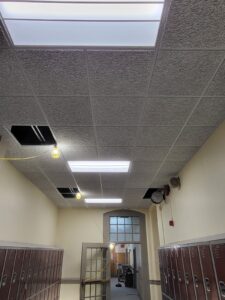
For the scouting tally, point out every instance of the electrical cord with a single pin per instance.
(23, 158)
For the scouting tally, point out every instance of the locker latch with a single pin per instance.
(196, 281)
(187, 279)
(222, 288)
(3, 281)
(207, 285)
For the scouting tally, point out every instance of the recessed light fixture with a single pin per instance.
(103, 201)
(83, 22)
(99, 166)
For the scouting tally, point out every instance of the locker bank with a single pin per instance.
(112, 150)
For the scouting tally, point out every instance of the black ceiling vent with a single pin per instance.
(33, 135)
(149, 193)
(68, 192)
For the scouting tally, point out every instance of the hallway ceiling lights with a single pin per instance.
(83, 22)
(103, 201)
(99, 166)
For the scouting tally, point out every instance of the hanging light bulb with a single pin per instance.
(55, 152)
(111, 246)
(78, 196)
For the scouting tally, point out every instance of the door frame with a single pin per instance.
(145, 286)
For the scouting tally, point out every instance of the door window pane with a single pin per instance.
(121, 229)
(128, 220)
(128, 228)
(121, 220)
(136, 220)
(113, 220)
(113, 237)
(136, 237)
(136, 229)
(113, 228)
(121, 237)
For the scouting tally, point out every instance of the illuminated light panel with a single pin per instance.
(70, 23)
(99, 166)
(103, 200)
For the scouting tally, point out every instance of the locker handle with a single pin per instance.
(166, 280)
(14, 277)
(222, 288)
(3, 281)
(22, 277)
(179, 277)
(207, 285)
(187, 279)
(173, 275)
(196, 281)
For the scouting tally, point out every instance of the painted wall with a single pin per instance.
(26, 214)
(198, 207)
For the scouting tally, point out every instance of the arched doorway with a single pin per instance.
(129, 227)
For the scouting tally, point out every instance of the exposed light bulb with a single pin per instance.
(78, 196)
(55, 153)
(111, 246)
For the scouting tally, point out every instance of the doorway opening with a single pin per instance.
(125, 265)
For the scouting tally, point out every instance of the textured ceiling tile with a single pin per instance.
(147, 167)
(113, 180)
(194, 135)
(119, 72)
(184, 72)
(14, 149)
(116, 110)
(20, 111)
(134, 194)
(217, 86)
(182, 153)
(157, 136)
(139, 180)
(69, 136)
(12, 80)
(116, 136)
(171, 168)
(115, 153)
(61, 179)
(55, 72)
(88, 182)
(167, 111)
(80, 152)
(115, 192)
(194, 23)
(149, 153)
(26, 165)
(62, 111)
(210, 112)
(46, 162)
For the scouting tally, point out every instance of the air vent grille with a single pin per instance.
(68, 192)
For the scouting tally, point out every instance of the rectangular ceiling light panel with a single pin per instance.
(103, 201)
(81, 23)
(99, 166)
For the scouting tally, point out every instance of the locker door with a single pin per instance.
(7, 273)
(197, 273)
(2, 261)
(180, 273)
(16, 274)
(174, 273)
(161, 267)
(169, 273)
(188, 273)
(23, 276)
(219, 260)
(38, 279)
(30, 276)
(208, 273)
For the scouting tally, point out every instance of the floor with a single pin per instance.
(122, 293)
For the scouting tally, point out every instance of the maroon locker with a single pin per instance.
(41, 272)
(174, 273)
(208, 272)
(31, 272)
(57, 291)
(161, 267)
(219, 260)
(15, 279)
(197, 273)
(2, 261)
(7, 273)
(45, 269)
(55, 267)
(23, 276)
(188, 273)
(180, 273)
(169, 273)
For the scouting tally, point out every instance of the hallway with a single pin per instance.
(122, 293)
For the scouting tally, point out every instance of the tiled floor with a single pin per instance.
(122, 293)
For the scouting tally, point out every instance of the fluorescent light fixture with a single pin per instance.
(99, 166)
(103, 201)
(82, 23)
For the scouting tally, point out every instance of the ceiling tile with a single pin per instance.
(55, 72)
(147, 167)
(217, 87)
(184, 72)
(157, 136)
(116, 136)
(27, 111)
(167, 111)
(115, 193)
(60, 179)
(119, 72)
(182, 153)
(46, 162)
(149, 153)
(71, 136)
(26, 165)
(171, 168)
(116, 110)
(194, 135)
(139, 180)
(134, 194)
(88, 182)
(113, 180)
(39, 180)
(62, 111)
(12, 80)
(194, 23)
(209, 112)
(76, 152)
(115, 153)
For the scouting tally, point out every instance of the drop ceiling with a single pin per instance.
(153, 106)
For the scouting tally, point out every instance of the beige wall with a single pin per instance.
(26, 214)
(198, 207)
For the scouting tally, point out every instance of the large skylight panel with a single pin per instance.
(70, 23)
